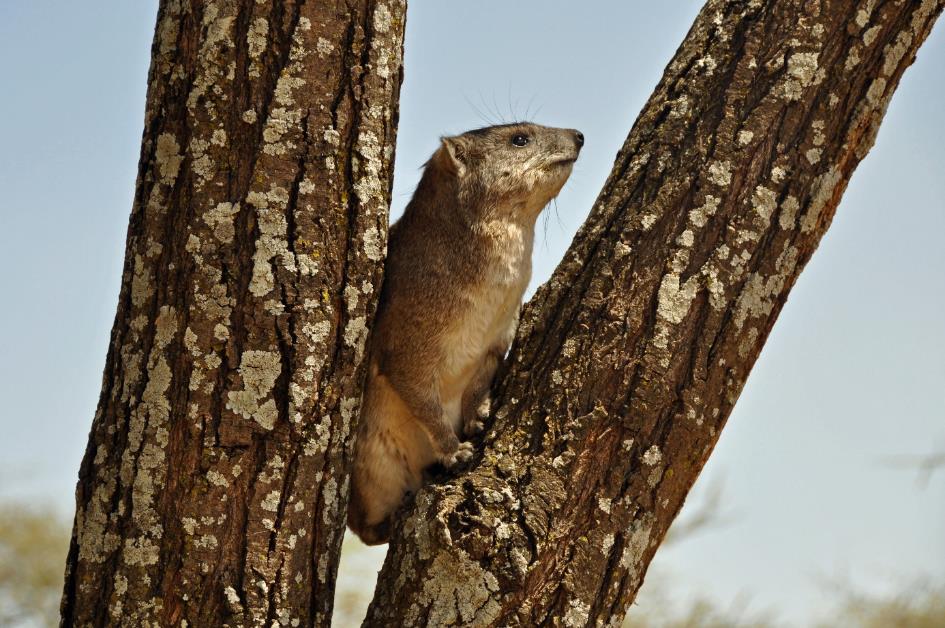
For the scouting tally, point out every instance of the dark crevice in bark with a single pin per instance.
(344, 73)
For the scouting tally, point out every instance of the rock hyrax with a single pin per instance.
(458, 263)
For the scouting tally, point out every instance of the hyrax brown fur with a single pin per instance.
(458, 263)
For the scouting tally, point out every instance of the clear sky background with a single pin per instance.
(850, 384)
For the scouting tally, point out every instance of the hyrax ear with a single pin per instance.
(452, 156)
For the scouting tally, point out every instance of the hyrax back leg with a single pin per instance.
(388, 462)
(423, 402)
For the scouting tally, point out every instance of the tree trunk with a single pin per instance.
(213, 487)
(629, 360)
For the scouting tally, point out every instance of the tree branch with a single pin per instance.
(629, 360)
(213, 488)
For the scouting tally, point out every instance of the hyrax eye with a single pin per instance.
(519, 139)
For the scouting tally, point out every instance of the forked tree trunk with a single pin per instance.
(629, 360)
(213, 488)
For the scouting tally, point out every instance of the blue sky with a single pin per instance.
(852, 378)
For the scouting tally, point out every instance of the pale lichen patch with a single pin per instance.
(707, 63)
(324, 47)
(220, 219)
(714, 285)
(874, 94)
(356, 333)
(801, 72)
(140, 551)
(852, 60)
(271, 501)
(699, 216)
(193, 247)
(653, 456)
(216, 478)
(459, 592)
(788, 213)
(200, 163)
(577, 614)
(212, 62)
(823, 191)
(747, 342)
(168, 158)
(819, 137)
(756, 296)
(382, 19)
(686, 238)
(368, 186)
(233, 600)
(636, 543)
(347, 408)
(373, 246)
(218, 138)
(720, 173)
(606, 544)
(306, 186)
(674, 300)
(141, 287)
(94, 540)
(272, 239)
(332, 137)
(256, 40)
(282, 122)
(283, 95)
(259, 371)
(764, 202)
(318, 332)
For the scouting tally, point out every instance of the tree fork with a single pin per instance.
(213, 487)
(629, 360)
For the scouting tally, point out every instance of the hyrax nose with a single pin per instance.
(579, 138)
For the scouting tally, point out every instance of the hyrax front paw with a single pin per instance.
(462, 454)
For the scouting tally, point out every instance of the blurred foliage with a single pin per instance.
(921, 605)
(657, 607)
(917, 606)
(34, 542)
(33, 547)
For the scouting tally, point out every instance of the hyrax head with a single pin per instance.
(520, 166)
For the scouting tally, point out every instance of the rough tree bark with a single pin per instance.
(212, 490)
(629, 360)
